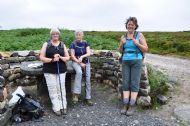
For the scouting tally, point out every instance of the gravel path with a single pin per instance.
(177, 70)
(105, 112)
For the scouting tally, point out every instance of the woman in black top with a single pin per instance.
(54, 55)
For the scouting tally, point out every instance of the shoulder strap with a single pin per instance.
(62, 44)
(49, 43)
(136, 34)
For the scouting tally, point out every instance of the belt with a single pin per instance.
(132, 52)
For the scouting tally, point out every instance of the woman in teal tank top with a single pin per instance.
(132, 46)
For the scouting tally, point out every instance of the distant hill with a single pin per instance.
(164, 43)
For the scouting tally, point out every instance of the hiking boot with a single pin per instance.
(89, 102)
(131, 110)
(124, 110)
(57, 113)
(75, 98)
(64, 111)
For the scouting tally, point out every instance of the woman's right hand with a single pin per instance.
(56, 57)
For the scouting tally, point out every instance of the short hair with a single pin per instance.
(79, 31)
(134, 20)
(54, 30)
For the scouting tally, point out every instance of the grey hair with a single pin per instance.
(54, 30)
(79, 31)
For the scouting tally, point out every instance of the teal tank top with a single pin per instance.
(131, 51)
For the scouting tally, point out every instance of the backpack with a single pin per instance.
(135, 36)
(26, 109)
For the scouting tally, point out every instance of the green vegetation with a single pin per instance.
(158, 84)
(164, 43)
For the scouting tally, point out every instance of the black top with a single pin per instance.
(52, 66)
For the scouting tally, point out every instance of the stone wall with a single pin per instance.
(11, 69)
(106, 69)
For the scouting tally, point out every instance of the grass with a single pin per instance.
(158, 84)
(163, 43)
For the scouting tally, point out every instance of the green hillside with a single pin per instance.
(165, 43)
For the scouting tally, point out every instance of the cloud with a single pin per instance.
(162, 15)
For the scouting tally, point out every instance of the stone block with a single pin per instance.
(2, 80)
(5, 66)
(14, 76)
(144, 101)
(7, 73)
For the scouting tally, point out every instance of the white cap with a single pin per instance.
(54, 30)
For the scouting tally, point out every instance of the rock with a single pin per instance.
(31, 53)
(2, 80)
(144, 92)
(7, 72)
(5, 66)
(97, 75)
(106, 81)
(108, 54)
(2, 105)
(116, 55)
(14, 65)
(113, 79)
(23, 53)
(144, 101)
(162, 99)
(1, 71)
(100, 71)
(13, 60)
(3, 94)
(31, 58)
(108, 72)
(25, 70)
(14, 76)
(144, 84)
(144, 73)
(14, 54)
(17, 70)
(5, 117)
(3, 61)
(120, 87)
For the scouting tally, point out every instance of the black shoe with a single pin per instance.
(131, 110)
(123, 110)
(75, 99)
(89, 102)
(64, 111)
(57, 113)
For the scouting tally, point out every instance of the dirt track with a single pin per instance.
(178, 70)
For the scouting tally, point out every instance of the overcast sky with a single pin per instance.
(97, 15)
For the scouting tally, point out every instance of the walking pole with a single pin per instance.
(59, 82)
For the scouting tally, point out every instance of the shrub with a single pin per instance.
(158, 84)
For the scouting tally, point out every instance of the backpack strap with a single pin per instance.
(75, 44)
(49, 44)
(136, 34)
